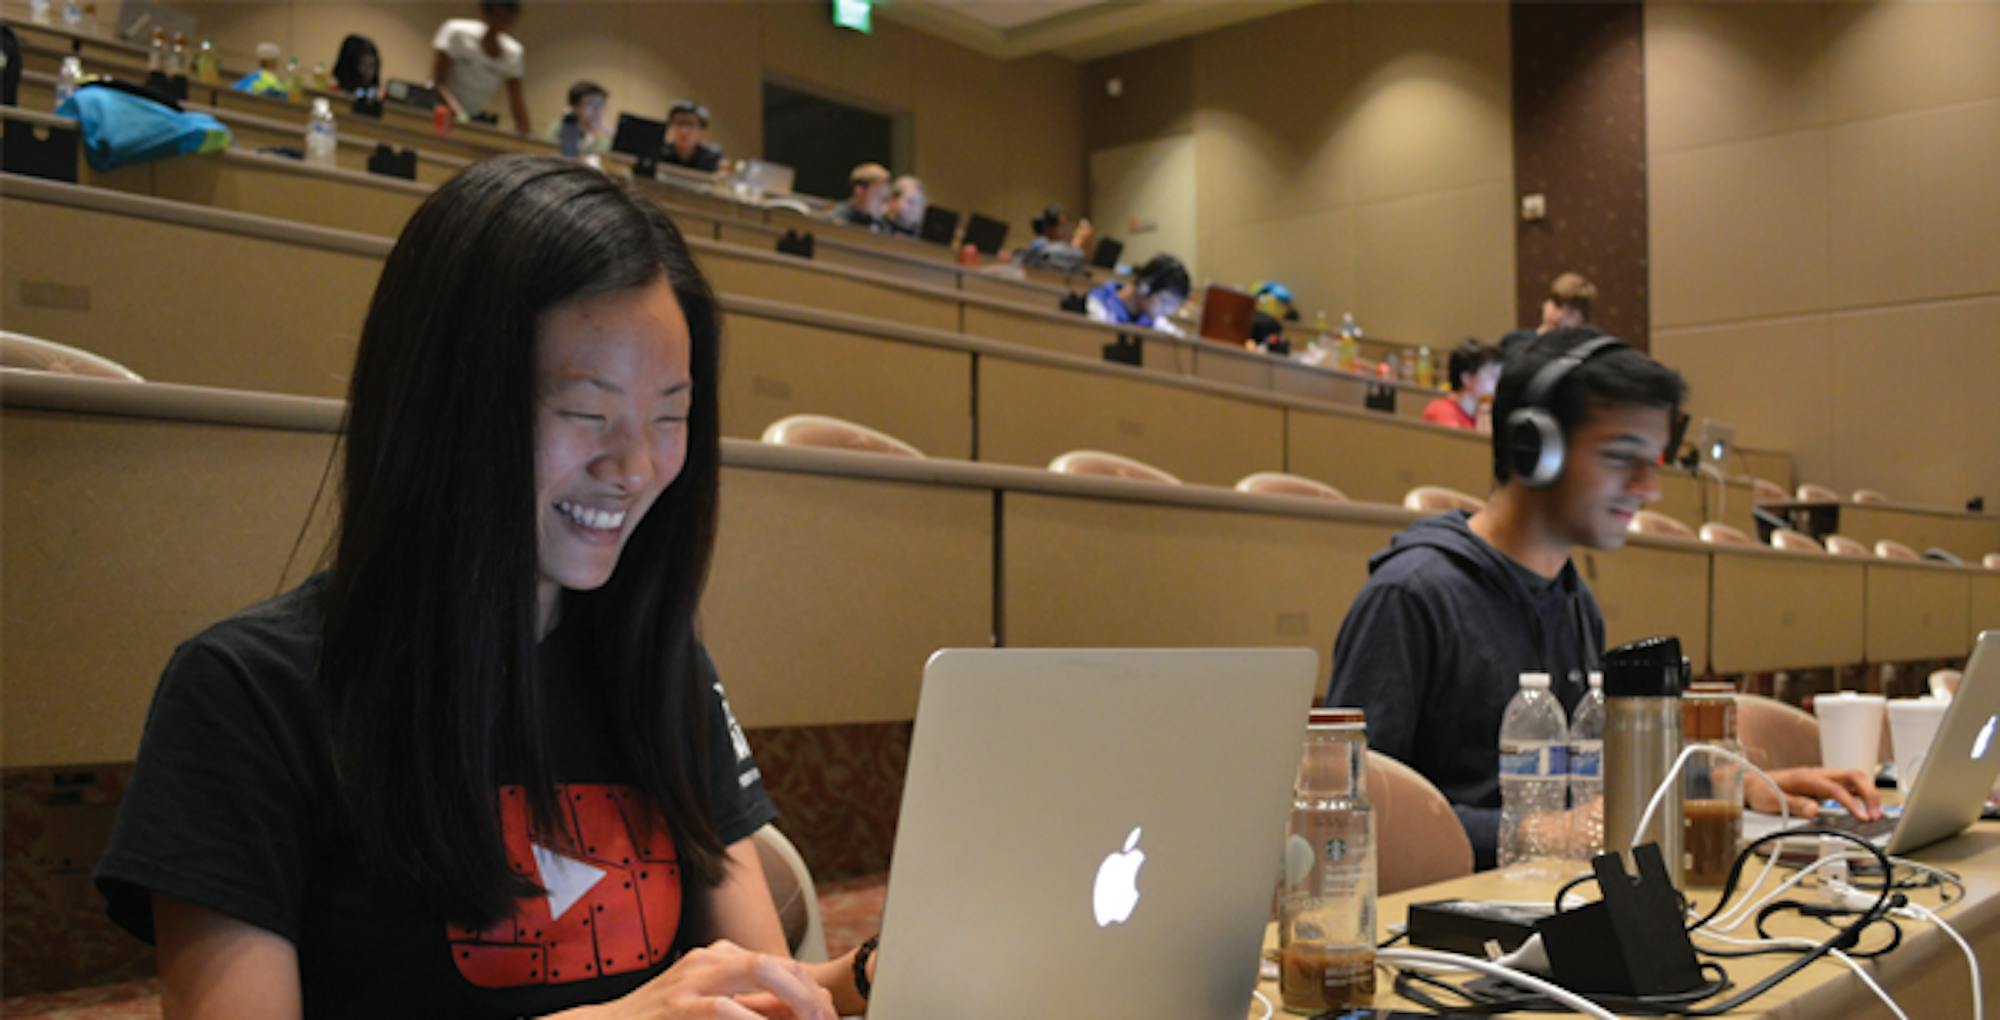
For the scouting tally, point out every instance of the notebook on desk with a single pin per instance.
(1957, 772)
(1090, 833)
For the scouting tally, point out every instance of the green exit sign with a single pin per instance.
(854, 14)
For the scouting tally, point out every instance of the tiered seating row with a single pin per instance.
(203, 324)
(138, 512)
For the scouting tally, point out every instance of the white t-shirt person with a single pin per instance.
(476, 75)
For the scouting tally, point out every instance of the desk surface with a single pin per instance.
(1927, 975)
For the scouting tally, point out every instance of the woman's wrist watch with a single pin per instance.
(861, 955)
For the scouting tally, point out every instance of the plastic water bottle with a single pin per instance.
(322, 135)
(1586, 773)
(72, 15)
(1534, 779)
(206, 67)
(38, 11)
(68, 79)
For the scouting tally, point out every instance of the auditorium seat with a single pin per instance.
(1436, 499)
(1418, 837)
(1098, 463)
(1652, 522)
(1795, 541)
(824, 432)
(1810, 493)
(1943, 683)
(1766, 491)
(1890, 549)
(1870, 496)
(1718, 533)
(1991, 561)
(792, 891)
(1278, 483)
(1841, 545)
(1775, 735)
(34, 354)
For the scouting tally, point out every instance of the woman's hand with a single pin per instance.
(1806, 787)
(706, 983)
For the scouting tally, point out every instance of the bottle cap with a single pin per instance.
(1335, 717)
(1709, 715)
(1647, 668)
(1535, 681)
(1596, 680)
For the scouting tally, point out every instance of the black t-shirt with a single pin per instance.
(232, 807)
(705, 157)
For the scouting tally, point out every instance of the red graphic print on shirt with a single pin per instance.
(613, 902)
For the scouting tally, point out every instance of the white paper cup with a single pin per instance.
(1913, 724)
(1850, 730)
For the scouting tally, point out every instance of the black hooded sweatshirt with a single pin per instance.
(1433, 648)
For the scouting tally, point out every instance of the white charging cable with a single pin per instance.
(1861, 899)
(1264, 1001)
(1852, 964)
(1751, 904)
(1971, 958)
(1735, 916)
(1430, 959)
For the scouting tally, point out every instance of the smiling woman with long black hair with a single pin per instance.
(482, 766)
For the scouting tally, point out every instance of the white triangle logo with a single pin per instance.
(566, 878)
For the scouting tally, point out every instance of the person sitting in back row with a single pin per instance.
(1475, 371)
(867, 197)
(358, 69)
(1567, 306)
(687, 134)
(1056, 246)
(1149, 298)
(581, 131)
(475, 56)
(905, 212)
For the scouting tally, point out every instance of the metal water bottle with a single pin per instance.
(1642, 737)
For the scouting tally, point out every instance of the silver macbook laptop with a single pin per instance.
(1959, 769)
(1091, 833)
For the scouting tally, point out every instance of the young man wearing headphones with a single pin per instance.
(1149, 298)
(1461, 604)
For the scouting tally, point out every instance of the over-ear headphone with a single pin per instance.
(1535, 440)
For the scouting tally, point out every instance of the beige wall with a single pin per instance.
(1825, 258)
(1360, 153)
(999, 137)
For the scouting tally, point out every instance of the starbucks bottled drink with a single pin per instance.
(1326, 917)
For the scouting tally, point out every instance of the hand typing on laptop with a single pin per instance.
(1805, 787)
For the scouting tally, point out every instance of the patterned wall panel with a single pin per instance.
(55, 933)
(837, 789)
(1580, 139)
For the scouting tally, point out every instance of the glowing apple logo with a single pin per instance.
(1985, 738)
(1117, 891)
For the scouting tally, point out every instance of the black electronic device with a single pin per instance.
(939, 225)
(985, 234)
(392, 163)
(175, 87)
(1466, 926)
(1126, 350)
(1634, 941)
(1105, 255)
(796, 243)
(409, 93)
(642, 140)
(36, 151)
